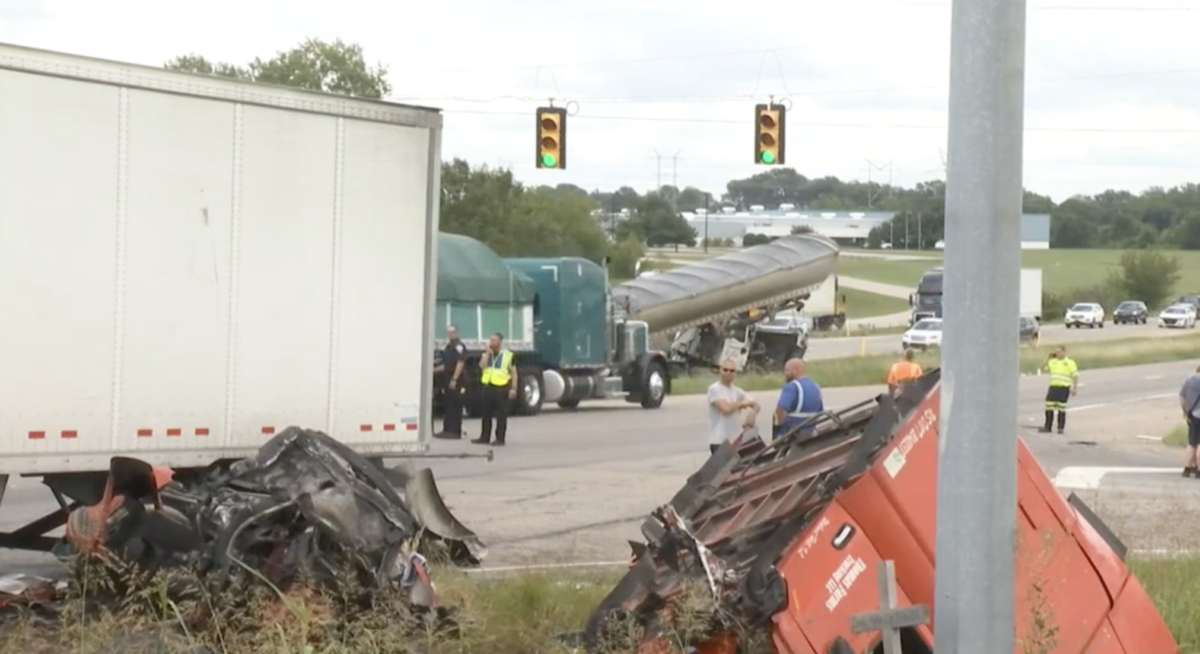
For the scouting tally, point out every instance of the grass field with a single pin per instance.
(503, 614)
(1177, 437)
(870, 370)
(1062, 270)
(863, 304)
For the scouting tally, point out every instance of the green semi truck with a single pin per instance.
(556, 318)
(577, 338)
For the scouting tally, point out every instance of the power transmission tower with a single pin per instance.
(674, 170)
(871, 194)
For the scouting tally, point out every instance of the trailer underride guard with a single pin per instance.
(772, 543)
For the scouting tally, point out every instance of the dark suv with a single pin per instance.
(1131, 311)
(1191, 299)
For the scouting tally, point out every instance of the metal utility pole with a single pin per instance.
(706, 223)
(977, 460)
(658, 171)
(675, 170)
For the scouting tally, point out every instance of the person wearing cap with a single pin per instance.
(904, 371)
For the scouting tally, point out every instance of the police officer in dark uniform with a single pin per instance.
(454, 359)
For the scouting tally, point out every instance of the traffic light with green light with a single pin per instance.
(769, 122)
(552, 138)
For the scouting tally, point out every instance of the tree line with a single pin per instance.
(517, 220)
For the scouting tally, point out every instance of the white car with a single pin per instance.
(1178, 315)
(1084, 314)
(925, 334)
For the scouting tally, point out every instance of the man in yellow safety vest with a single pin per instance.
(498, 386)
(1064, 383)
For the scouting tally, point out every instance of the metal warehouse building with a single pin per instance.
(852, 226)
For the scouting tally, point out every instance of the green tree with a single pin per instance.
(315, 65)
(624, 257)
(1146, 275)
(656, 223)
(1186, 233)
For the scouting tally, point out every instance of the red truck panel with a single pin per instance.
(790, 535)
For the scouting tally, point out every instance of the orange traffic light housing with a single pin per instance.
(551, 138)
(769, 122)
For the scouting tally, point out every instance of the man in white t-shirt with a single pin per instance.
(725, 402)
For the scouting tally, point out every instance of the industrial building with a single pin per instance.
(848, 227)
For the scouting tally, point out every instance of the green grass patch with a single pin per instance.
(1174, 585)
(873, 369)
(523, 613)
(860, 332)
(1062, 270)
(863, 304)
(1177, 437)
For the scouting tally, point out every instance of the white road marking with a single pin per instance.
(1152, 377)
(1150, 438)
(1158, 553)
(550, 566)
(1089, 477)
(1086, 407)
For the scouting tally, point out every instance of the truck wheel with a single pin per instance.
(654, 386)
(798, 352)
(569, 404)
(529, 395)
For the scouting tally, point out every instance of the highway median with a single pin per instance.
(873, 369)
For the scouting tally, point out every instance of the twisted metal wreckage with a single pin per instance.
(305, 508)
(769, 543)
(765, 547)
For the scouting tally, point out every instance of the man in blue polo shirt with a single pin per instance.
(799, 400)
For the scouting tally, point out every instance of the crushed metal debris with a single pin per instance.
(305, 512)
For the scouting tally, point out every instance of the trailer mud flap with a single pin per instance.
(428, 507)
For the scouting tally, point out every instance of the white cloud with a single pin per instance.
(867, 78)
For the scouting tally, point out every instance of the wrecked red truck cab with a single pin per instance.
(785, 539)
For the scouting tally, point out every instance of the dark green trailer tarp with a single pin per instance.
(469, 272)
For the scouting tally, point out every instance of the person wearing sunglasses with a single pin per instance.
(725, 402)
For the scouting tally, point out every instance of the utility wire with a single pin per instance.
(1177, 8)
(794, 123)
(685, 99)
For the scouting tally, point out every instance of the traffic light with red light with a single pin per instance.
(552, 138)
(769, 134)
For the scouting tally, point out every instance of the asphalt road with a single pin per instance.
(574, 485)
(833, 348)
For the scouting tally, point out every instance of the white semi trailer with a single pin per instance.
(190, 264)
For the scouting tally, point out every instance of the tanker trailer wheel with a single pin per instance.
(654, 386)
(529, 393)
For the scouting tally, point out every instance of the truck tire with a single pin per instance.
(654, 386)
(568, 404)
(798, 352)
(529, 393)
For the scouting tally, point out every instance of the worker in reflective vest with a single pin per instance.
(799, 401)
(1064, 383)
(498, 386)
(903, 372)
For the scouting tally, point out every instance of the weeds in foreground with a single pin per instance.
(505, 614)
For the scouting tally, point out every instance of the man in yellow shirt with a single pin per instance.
(904, 371)
(1064, 383)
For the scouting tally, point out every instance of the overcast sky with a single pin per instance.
(867, 78)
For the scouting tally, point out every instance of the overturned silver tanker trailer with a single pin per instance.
(718, 308)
